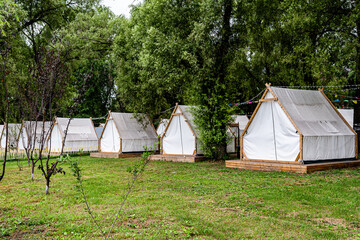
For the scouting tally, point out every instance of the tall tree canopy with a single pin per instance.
(205, 53)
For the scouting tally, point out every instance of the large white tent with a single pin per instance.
(81, 135)
(33, 135)
(14, 132)
(181, 137)
(123, 133)
(348, 114)
(297, 125)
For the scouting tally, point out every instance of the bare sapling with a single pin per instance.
(41, 96)
(135, 172)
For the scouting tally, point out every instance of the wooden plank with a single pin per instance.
(114, 155)
(268, 99)
(298, 168)
(297, 157)
(271, 161)
(173, 158)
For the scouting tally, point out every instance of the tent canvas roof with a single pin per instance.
(311, 112)
(348, 114)
(186, 110)
(30, 126)
(162, 125)
(80, 129)
(242, 120)
(130, 128)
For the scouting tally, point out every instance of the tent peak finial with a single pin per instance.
(268, 85)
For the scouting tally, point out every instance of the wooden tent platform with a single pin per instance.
(286, 167)
(114, 155)
(176, 158)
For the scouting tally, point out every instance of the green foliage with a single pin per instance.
(9, 14)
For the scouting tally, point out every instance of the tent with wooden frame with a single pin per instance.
(297, 126)
(162, 125)
(348, 114)
(123, 133)
(241, 121)
(33, 135)
(181, 138)
(81, 135)
(14, 133)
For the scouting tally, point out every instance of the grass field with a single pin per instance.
(181, 200)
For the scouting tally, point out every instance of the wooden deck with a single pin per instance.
(177, 158)
(114, 155)
(286, 167)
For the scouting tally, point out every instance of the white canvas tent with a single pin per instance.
(14, 132)
(297, 125)
(81, 135)
(123, 133)
(162, 125)
(180, 136)
(99, 131)
(348, 114)
(33, 135)
(242, 121)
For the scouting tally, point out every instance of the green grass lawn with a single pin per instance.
(181, 200)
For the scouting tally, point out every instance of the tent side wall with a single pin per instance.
(83, 145)
(110, 138)
(23, 139)
(136, 145)
(328, 147)
(54, 143)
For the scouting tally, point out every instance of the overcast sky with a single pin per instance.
(120, 6)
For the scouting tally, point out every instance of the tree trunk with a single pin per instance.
(32, 171)
(47, 186)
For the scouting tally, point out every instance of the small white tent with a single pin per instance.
(33, 135)
(180, 137)
(81, 135)
(348, 114)
(297, 125)
(162, 125)
(242, 121)
(99, 131)
(123, 133)
(14, 132)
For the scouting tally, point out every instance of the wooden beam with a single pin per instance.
(297, 157)
(268, 99)
(271, 161)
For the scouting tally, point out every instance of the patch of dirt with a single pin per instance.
(136, 224)
(24, 233)
(336, 222)
(292, 214)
